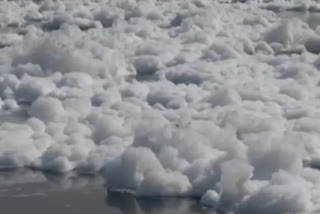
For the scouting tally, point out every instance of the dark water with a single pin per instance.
(32, 192)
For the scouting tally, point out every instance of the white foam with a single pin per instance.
(166, 98)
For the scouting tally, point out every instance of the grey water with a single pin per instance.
(34, 192)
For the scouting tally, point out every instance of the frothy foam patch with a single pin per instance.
(210, 99)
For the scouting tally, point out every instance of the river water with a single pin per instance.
(27, 191)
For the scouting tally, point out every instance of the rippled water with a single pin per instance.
(27, 191)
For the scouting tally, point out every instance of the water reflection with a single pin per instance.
(23, 190)
(129, 204)
(58, 182)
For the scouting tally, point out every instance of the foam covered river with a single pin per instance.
(192, 106)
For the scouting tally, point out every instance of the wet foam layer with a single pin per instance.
(176, 98)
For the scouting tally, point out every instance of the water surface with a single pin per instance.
(33, 192)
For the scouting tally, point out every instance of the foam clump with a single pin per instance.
(284, 196)
(30, 88)
(210, 198)
(76, 80)
(47, 109)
